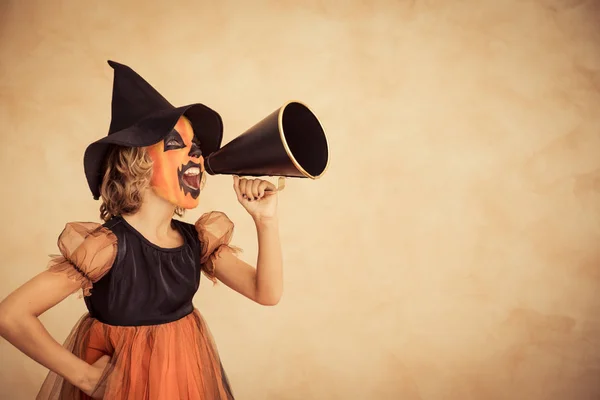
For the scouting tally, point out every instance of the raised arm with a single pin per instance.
(263, 283)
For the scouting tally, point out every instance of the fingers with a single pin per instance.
(260, 189)
(270, 187)
(244, 187)
(256, 183)
(237, 187)
(266, 188)
(240, 185)
(251, 189)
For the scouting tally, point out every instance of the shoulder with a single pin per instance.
(215, 231)
(88, 246)
(214, 222)
(78, 233)
(115, 225)
(210, 225)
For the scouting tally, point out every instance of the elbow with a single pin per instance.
(11, 318)
(269, 301)
(7, 320)
(268, 293)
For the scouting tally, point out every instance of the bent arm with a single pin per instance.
(19, 325)
(263, 284)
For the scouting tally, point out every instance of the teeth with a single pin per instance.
(192, 171)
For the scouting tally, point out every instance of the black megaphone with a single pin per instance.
(290, 142)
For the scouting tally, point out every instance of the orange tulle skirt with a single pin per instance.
(178, 360)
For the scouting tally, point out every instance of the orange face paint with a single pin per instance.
(178, 166)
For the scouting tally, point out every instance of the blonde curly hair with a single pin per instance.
(127, 174)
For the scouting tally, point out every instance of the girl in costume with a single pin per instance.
(142, 337)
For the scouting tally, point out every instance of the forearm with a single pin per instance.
(269, 269)
(27, 334)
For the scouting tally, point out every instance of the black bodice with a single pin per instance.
(147, 284)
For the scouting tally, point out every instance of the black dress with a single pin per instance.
(140, 310)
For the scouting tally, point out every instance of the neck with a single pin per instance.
(154, 215)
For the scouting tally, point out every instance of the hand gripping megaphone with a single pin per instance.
(290, 142)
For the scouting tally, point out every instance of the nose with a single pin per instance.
(195, 151)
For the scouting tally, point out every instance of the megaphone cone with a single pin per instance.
(290, 142)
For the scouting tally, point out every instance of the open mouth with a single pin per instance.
(191, 178)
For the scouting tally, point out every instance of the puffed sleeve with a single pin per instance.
(87, 252)
(215, 231)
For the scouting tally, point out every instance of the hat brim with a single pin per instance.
(207, 125)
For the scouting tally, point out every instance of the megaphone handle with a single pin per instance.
(280, 183)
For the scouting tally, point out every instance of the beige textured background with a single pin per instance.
(450, 252)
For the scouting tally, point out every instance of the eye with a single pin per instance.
(173, 141)
(195, 151)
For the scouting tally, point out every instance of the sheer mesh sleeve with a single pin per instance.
(215, 231)
(87, 252)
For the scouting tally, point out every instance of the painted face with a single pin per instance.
(178, 166)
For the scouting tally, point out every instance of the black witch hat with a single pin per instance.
(141, 117)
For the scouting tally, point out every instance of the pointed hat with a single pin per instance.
(141, 116)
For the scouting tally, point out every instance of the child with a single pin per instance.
(142, 338)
